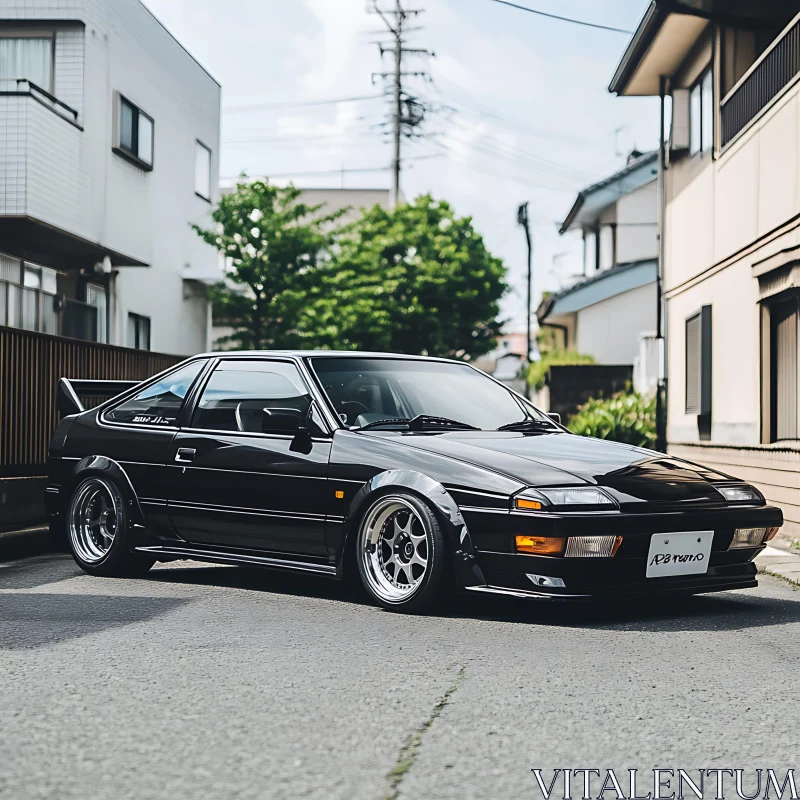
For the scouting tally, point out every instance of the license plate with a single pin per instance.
(679, 553)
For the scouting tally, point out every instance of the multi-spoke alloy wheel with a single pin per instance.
(99, 535)
(397, 548)
(93, 520)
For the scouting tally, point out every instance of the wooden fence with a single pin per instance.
(30, 366)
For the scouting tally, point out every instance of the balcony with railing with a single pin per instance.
(774, 71)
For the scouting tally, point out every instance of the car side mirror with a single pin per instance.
(282, 420)
(555, 417)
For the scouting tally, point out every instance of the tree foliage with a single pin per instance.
(414, 280)
(274, 244)
(626, 417)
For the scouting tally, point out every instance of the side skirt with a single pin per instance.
(174, 553)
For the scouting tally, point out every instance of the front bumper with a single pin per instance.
(505, 571)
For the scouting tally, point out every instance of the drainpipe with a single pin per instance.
(661, 326)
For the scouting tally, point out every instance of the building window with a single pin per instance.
(701, 115)
(138, 332)
(783, 369)
(698, 370)
(135, 134)
(29, 58)
(27, 295)
(202, 171)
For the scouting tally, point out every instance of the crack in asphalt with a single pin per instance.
(410, 750)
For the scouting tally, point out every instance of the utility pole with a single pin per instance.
(397, 108)
(522, 219)
(406, 113)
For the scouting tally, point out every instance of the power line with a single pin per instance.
(345, 133)
(564, 19)
(331, 171)
(313, 103)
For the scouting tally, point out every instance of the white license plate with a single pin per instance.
(679, 553)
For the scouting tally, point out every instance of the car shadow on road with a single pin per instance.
(724, 611)
(38, 571)
(34, 619)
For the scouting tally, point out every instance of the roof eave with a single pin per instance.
(573, 212)
(639, 44)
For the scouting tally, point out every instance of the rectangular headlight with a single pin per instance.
(751, 537)
(739, 494)
(592, 546)
(577, 496)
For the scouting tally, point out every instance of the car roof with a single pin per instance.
(320, 354)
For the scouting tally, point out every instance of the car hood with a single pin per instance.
(562, 459)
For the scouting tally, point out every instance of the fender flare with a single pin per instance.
(468, 573)
(107, 467)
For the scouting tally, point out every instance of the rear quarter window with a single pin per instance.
(160, 402)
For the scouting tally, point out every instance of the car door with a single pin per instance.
(244, 476)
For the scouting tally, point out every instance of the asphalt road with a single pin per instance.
(216, 682)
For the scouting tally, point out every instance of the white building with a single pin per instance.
(109, 143)
(731, 268)
(610, 313)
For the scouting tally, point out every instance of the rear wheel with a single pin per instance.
(99, 533)
(400, 551)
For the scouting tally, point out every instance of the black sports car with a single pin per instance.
(412, 473)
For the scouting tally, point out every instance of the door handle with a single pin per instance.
(185, 455)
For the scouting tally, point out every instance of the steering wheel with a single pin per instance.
(357, 408)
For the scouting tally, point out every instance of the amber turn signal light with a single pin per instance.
(771, 533)
(541, 545)
(527, 505)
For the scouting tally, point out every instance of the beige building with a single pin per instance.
(731, 216)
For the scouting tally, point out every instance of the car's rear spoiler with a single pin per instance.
(70, 391)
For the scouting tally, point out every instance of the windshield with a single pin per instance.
(366, 390)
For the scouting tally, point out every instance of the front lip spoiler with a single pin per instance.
(643, 592)
(524, 593)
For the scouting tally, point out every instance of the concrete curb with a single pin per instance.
(25, 542)
(780, 560)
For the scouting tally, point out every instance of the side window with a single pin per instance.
(160, 402)
(253, 397)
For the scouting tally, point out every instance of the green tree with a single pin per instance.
(274, 244)
(414, 280)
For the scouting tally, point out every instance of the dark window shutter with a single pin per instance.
(705, 361)
(694, 329)
(784, 332)
(698, 364)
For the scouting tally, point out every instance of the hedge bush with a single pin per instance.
(627, 417)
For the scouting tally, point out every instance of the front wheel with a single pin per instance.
(400, 551)
(99, 532)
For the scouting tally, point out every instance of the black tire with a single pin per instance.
(396, 533)
(98, 531)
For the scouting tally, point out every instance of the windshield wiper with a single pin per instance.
(529, 424)
(419, 423)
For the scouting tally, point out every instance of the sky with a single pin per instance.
(520, 110)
